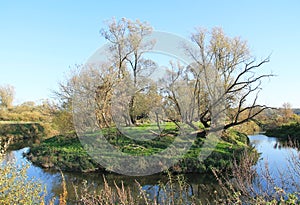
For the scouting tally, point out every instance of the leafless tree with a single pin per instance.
(217, 86)
(127, 48)
(7, 94)
(223, 75)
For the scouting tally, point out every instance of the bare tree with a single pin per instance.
(125, 70)
(90, 86)
(7, 94)
(127, 48)
(287, 111)
(223, 74)
(180, 98)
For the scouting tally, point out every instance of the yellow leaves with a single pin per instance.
(224, 45)
(16, 188)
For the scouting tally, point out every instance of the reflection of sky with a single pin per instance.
(37, 174)
(276, 158)
(150, 184)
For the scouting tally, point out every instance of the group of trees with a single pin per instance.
(219, 84)
(273, 118)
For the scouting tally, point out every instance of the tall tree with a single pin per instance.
(128, 48)
(223, 75)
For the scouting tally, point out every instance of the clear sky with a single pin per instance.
(41, 40)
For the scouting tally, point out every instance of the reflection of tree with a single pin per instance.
(9, 157)
(158, 186)
(287, 143)
(4, 145)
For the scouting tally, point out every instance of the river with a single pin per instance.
(272, 151)
(280, 160)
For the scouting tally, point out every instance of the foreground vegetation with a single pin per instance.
(243, 186)
(17, 188)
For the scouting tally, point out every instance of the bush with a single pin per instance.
(15, 186)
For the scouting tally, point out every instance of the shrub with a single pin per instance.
(15, 186)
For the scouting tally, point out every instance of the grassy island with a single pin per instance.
(67, 153)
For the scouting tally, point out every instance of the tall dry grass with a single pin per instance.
(250, 185)
(174, 192)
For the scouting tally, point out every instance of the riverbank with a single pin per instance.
(67, 153)
(290, 131)
(16, 131)
(200, 188)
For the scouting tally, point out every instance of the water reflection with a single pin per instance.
(95, 181)
(278, 158)
(202, 186)
(283, 143)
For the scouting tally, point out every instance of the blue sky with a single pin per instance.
(41, 40)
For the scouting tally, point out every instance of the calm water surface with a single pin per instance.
(52, 179)
(272, 151)
(276, 155)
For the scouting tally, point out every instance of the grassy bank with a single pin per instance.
(285, 131)
(65, 153)
(68, 154)
(21, 130)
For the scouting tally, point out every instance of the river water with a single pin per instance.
(272, 151)
(280, 160)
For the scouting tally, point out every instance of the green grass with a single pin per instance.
(64, 152)
(68, 153)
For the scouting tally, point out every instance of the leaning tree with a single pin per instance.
(223, 82)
